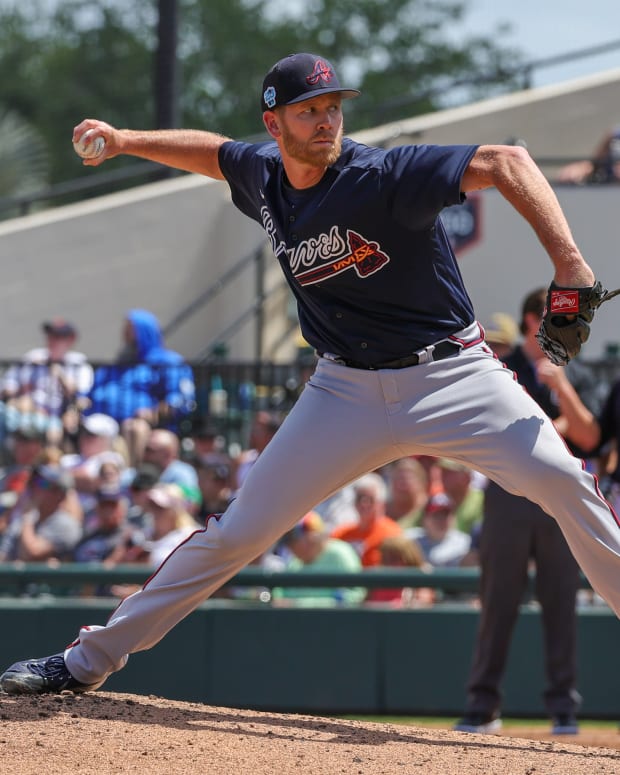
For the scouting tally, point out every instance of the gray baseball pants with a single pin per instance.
(349, 421)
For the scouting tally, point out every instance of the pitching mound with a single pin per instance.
(107, 733)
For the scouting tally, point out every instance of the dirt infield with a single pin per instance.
(107, 733)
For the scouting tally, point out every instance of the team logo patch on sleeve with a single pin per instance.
(564, 302)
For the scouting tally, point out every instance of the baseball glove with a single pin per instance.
(566, 320)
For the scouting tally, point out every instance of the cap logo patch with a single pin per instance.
(564, 302)
(269, 95)
(321, 72)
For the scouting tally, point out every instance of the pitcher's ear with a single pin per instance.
(271, 123)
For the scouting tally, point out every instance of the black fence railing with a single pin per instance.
(229, 394)
(26, 578)
(226, 395)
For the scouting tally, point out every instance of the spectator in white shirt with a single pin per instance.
(50, 382)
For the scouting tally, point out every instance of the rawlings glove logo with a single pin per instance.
(564, 302)
(566, 320)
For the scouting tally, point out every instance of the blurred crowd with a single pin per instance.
(97, 470)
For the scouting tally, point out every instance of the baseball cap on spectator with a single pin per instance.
(167, 496)
(192, 495)
(299, 77)
(309, 523)
(170, 496)
(501, 329)
(52, 477)
(29, 433)
(220, 471)
(440, 502)
(146, 476)
(59, 327)
(110, 493)
(204, 429)
(100, 425)
(216, 463)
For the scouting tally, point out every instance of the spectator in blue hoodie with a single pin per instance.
(148, 386)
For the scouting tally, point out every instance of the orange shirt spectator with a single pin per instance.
(373, 526)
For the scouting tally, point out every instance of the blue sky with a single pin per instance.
(545, 28)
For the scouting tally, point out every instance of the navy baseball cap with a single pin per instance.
(59, 327)
(299, 77)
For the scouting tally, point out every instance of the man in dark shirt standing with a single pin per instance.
(516, 531)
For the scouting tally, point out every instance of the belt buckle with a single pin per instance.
(425, 355)
(334, 358)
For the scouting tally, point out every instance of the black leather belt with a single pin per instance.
(440, 351)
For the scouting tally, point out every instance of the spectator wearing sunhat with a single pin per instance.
(501, 333)
(43, 527)
(171, 524)
(50, 384)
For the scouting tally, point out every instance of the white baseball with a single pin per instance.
(87, 148)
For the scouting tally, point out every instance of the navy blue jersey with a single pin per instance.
(364, 251)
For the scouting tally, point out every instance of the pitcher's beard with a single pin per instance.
(307, 154)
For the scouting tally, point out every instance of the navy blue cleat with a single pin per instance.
(480, 723)
(41, 676)
(564, 724)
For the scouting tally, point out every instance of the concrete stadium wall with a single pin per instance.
(163, 245)
(159, 246)
(506, 261)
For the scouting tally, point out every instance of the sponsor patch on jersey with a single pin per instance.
(564, 302)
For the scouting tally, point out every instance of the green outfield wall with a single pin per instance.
(349, 660)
